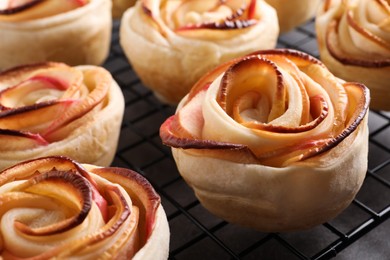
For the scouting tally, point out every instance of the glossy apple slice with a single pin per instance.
(35, 9)
(98, 82)
(69, 189)
(15, 140)
(141, 193)
(34, 118)
(49, 84)
(333, 45)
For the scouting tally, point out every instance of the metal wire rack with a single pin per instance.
(360, 232)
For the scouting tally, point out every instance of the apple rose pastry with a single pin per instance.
(354, 43)
(292, 13)
(75, 32)
(54, 109)
(56, 208)
(272, 140)
(171, 44)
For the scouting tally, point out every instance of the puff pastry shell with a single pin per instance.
(292, 13)
(171, 44)
(272, 141)
(76, 37)
(354, 43)
(54, 109)
(56, 208)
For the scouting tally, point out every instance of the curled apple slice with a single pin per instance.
(26, 10)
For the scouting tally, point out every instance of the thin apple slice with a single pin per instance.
(215, 30)
(141, 193)
(34, 118)
(191, 8)
(332, 44)
(39, 9)
(365, 38)
(252, 9)
(252, 74)
(98, 82)
(13, 6)
(16, 140)
(70, 189)
(48, 84)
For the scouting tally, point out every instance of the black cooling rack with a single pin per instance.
(360, 232)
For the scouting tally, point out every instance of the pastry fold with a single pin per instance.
(171, 44)
(272, 140)
(54, 207)
(75, 32)
(55, 109)
(354, 43)
(292, 13)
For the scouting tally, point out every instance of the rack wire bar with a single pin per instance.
(196, 233)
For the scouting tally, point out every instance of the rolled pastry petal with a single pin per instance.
(120, 6)
(272, 140)
(171, 44)
(55, 109)
(54, 207)
(75, 32)
(354, 43)
(292, 13)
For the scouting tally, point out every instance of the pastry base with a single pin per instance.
(278, 199)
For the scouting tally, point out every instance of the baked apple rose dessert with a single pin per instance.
(54, 109)
(171, 44)
(354, 43)
(75, 32)
(272, 140)
(54, 207)
(292, 13)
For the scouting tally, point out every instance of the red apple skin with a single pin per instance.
(20, 7)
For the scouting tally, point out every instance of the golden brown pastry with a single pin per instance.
(171, 44)
(57, 208)
(272, 140)
(120, 6)
(54, 109)
(292, 13)
(354, 43)
(75, 32)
